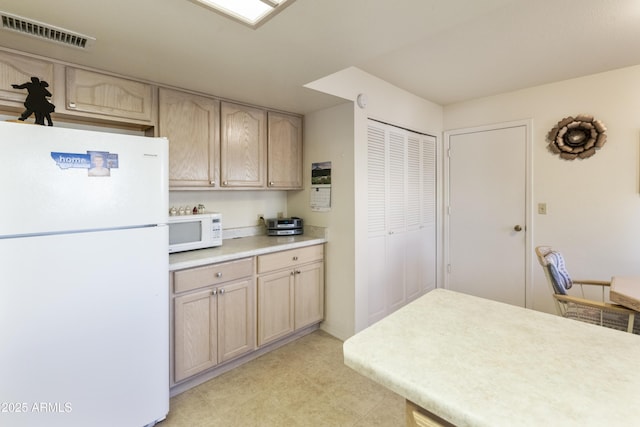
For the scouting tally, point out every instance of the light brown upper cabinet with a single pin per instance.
(18, 69)
(108, 97)
(243, 146)
(284, 151)
(192, 125)
(213, 144)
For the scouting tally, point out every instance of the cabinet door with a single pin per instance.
(309, 294)
(191, 123)
(195, 329)
(108, 96)
(284, 151)
(275, 306)
(236, 331)
(18, 69)
(243, 146)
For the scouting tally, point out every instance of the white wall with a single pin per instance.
(593, 204)
(340, 133)
(329, 137)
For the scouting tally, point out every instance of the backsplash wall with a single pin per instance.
(238, 208)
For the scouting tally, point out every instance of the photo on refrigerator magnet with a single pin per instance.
(99, 163)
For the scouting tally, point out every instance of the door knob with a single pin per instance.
(517, 228)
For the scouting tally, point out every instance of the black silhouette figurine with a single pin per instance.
(37, 102)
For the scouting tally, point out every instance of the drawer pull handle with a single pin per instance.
(218, 274)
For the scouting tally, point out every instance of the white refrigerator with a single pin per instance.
(84, 311)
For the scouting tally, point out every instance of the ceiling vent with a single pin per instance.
(45, 31)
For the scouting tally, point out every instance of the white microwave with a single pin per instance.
(189, 232)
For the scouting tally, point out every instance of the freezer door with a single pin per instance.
(52, 180)
(85, 329)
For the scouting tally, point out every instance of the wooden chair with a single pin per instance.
(580, 307)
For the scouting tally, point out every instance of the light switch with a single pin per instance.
(542, 208)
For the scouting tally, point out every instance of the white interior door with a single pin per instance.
(487, 213)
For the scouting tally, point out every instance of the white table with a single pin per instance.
(475, 362)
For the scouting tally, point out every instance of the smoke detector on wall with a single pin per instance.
(44, 31)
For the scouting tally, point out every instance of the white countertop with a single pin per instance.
(240, 248)
(476, 362)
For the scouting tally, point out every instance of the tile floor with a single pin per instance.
(304, 383)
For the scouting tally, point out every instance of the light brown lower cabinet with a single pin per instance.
(213, 324)
(309, 294)
(290, 292)
(221, 311)
(275, 306)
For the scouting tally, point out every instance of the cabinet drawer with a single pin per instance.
(194, 278)
(290, 258)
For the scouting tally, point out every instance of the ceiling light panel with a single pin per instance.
(250, 12)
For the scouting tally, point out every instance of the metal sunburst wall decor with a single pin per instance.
(578, 136)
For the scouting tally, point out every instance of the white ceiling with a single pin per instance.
(445, 51)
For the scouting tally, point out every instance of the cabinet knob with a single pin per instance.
(295, 258)
(270, 183)
(72, 105)
(292, 273)
(213, 292)
(297, 271)
(221, 291)
(224, 183)
(213, 183)
(218, 274)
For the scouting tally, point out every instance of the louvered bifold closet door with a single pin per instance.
(376, 221)
(428, 216)
(428, 211)
(401, 203)
(376, 181)
(413, 265)
(414, 182)
(397, 161)
(396, 243)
